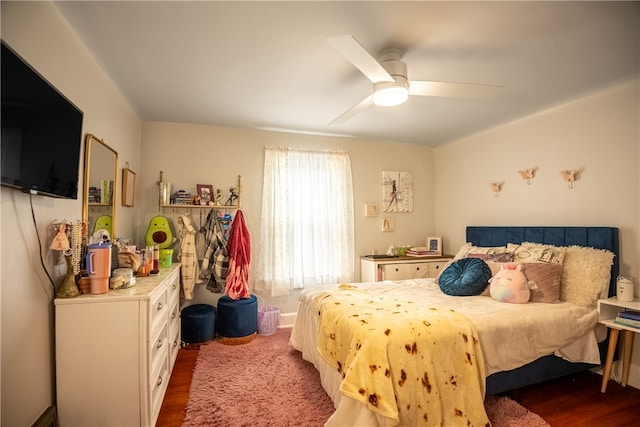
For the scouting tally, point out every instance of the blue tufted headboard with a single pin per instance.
(596, 237)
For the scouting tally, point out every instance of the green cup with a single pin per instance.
(166, 258)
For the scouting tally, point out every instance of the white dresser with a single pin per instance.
(400, 268)
(115, 352)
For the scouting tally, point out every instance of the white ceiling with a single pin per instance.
(267, 65)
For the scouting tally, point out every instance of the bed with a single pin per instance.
(499, 353)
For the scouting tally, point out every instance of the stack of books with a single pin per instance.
(181, 197)
(94, 195)
(420, 252)
(629, 318)
(106, 188)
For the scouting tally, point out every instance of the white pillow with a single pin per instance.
(468, 248)
(586, 273)
(536, 252)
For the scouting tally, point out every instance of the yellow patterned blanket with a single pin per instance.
(416, 365)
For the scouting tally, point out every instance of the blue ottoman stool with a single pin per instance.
(198, 323)
(237, 319)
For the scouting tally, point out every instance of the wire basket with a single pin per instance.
(268, 320)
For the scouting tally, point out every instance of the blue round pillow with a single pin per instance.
(465, 277)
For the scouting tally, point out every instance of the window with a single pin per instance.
(306, 235)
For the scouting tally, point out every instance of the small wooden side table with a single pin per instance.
(608, 310)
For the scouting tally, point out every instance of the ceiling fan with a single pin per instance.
(391, 85)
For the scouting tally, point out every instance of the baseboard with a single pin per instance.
(287, 320)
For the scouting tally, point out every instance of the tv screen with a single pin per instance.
(41, 132)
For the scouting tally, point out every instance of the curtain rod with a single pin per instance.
(312, 150)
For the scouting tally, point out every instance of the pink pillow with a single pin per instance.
(546, 276)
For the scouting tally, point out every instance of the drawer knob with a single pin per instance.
(175, 343)
(173, 287)
(159, 381)
(159, 344)
(160, 306)
(173, 315)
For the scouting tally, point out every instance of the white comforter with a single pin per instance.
(511, 335)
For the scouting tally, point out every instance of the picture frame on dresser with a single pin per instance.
(434, 244)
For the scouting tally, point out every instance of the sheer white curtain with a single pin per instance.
(306, 236)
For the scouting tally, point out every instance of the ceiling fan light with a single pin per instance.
(390, 94)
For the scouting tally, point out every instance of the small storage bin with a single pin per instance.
(198, 323)
(268, 320)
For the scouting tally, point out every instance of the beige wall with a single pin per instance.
(38, 33)
(597, 134)
(190, 155)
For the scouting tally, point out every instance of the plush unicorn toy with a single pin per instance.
(510, 284)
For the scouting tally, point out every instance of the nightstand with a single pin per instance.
(608, 310)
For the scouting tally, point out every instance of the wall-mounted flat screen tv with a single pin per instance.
(41, 132)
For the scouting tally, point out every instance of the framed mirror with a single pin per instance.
(99, 196)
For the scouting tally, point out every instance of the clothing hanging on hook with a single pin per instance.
(189, 270)
(215, 261)
(200, 240)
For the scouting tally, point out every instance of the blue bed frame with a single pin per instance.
(550, 366)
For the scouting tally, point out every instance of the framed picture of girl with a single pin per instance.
(205, 193)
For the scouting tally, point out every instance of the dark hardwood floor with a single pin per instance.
(574, 401)
(173, 407)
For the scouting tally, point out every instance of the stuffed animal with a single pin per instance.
(159, 232)
(103, 223)
(510, 284)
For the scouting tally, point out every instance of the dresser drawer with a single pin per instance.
(159, 381)
(435, 268)
(158, 348)
(173, 288)
(158, 309)
(174, 318)
(398, 271)
(174, 346)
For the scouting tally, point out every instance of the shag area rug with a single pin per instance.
(267, 383)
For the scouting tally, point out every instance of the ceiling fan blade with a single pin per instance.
(351, 49)
(453, 90)
(362, 105)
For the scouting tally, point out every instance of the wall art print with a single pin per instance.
(397, 191)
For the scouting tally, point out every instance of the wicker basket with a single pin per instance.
(84, 285)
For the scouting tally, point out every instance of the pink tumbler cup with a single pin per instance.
(99, 267)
